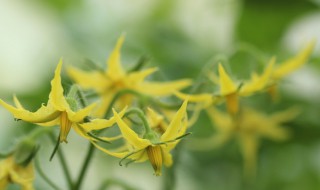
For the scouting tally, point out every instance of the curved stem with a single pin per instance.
(44, 176)
(141, 115)
(166, 105)
(109, 182)
(63, 163)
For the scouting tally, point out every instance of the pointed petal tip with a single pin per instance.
(120, 40)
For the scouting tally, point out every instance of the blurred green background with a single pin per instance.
(180, 37)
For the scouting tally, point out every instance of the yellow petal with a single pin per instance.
(167, 158)
(4, 172)
(17, 102)
(139, 76)
(115, 70)
(258, 83)
(140, 156)
(111, 138)
(97, 124)
(133, 139)
(43, 114)
(103, 105)
(195, 115)
(81, 131)
(226, 84)
(56, 97)
(115, 154)
(294, 63)
(4, 182)
(206, 98)
(89, 80)
(249, 145)
(274, 132)
(176, 125)
(81, 114)
(154, 118)
(163, 88)
(23, 176)
(222, 121)
(51, 123)
(285, 116)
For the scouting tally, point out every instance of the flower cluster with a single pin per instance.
(147, 127)
(244, 123)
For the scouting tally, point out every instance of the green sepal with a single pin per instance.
(152, 137)
(141, 63)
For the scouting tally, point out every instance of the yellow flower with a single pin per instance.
(157, 121)
(111, 81)
(248, 128)
(230, 90)
(294, 63)
(283, 69)
(11, 172)
(152, 146)
(56, 112)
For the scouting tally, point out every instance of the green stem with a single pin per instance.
(141, 115)
(63, 164)
(169, 180)
(44, 176)
(85, 165)
(141, 62)
(82, 98)
(108, 183)
(91, 148)
(166, 105)
(73, 91)
(252, 51)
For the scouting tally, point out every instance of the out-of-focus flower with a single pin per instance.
(152, 146)
(111, 81)
(11, 172)
(157, 121)
(60, 110)
(230, 91)
(248, 128)
(285, 68)
(17, 166)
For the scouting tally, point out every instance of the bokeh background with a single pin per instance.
(180, 37)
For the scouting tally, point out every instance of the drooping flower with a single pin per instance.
(115, 79)
(12, 172)
(59, 110)
(152, 146)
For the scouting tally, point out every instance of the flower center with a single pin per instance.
(232, 103)
(65, 126)
(155, 157)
